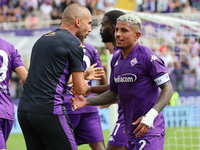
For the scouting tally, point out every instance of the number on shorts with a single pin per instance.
(4, 67)
(143, 144)
(116, 129)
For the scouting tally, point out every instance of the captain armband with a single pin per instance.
(162, 79)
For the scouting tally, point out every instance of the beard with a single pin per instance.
(106, 37)
(81, 38)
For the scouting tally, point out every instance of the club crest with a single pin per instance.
(133, 61)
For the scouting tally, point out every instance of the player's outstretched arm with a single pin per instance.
(107, 105)
(105, 98)
(97, 89)
(145, 122)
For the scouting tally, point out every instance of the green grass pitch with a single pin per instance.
(16, 142)
(186, 139)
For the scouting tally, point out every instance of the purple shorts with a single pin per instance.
(86, 127)
(151, 142)
(5, 128)
(118, 137)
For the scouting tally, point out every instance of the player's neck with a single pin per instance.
(70, 29)
(127, 50)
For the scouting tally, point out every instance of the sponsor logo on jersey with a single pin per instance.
(128, 77)
(50, 34)
(81, 45)
(153, 57)
(133, 62)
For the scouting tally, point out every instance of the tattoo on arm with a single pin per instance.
(165, 96)
(104, 98)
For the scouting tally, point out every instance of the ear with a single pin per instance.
(113, 28)
(138, 34)
(77, 22)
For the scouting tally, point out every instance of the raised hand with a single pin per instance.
(93, 73)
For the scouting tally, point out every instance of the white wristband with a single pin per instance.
(149, 117)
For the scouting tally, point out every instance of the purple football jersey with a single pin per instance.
(9, 61)
(91, 56)
(136, 80)
(120, 112)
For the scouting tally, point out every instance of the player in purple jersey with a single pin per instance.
(55, 57)
(86, 121)
(136, 76)
(10, 60)
(118, 139)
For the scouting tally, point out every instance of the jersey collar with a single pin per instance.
(132, 51)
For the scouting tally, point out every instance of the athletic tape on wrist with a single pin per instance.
(149, 117)
(73, 109)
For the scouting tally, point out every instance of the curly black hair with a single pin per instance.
(113, 15)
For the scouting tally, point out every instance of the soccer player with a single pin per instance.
(10, 60)
(136, 76)
(55, 56)
(118, 139)
(86, 121)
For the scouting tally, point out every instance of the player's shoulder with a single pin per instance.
(6, 46)
(5, 43)
(68, 39)
(88, 45)
(90, 48)
(62, 35)
(146, 52)
(116, 53)
(115, 56)
(148, 56)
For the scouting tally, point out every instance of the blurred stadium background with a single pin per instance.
(170, 28)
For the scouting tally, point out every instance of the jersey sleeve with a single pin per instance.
(16, 59)
(76, 57)
(96, 57)
(156, 69)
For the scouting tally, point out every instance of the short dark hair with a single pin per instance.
(113, 15)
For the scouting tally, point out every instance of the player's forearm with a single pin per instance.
(82, 89)
(165, 96)
(163, 100)
(99, 89)
(102, 99)
(22, 72)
